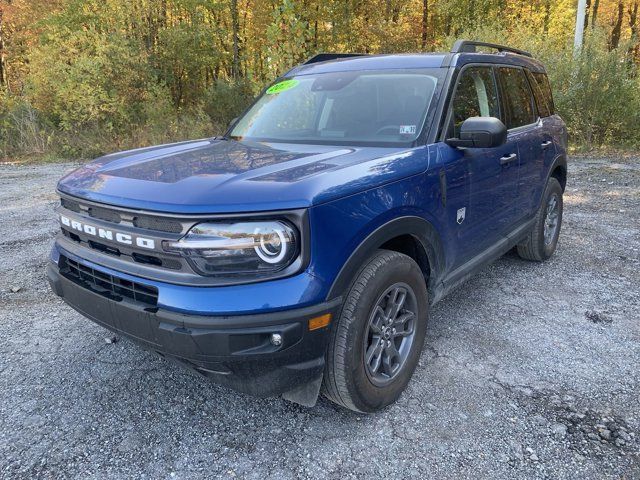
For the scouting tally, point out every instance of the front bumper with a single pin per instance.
(234, 350)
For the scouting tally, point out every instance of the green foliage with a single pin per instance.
(21, 128)
(84, 79)
(598, 93)
(224, 101)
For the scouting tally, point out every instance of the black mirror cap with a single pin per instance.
(480, 132)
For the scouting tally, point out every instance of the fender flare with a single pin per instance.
(559, 161)
(418, 227)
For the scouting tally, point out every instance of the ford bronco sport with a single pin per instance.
(300, 252)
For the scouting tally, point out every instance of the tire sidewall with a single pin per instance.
(367, 396)
(553, 187)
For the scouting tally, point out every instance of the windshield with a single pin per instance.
(355, 108)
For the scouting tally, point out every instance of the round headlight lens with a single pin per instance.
(273, 245)
(242, 248)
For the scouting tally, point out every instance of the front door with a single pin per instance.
(481, 205)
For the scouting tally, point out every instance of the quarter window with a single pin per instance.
(476, 96)
(541, 103)
(543, 82)
(518, 99)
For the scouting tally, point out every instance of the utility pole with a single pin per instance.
(577, 43)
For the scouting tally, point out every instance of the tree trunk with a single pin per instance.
(3, 63)
(547, 16)
(594, 14)
(614, 41)
(586, 16)
(235, 25)
(425, 23)
(315, 30)
(633, 25)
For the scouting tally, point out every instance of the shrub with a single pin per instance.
(21, 128)
(224, 101)
(598, 95)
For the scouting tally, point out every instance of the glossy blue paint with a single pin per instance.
(226, 176)
(349, 191)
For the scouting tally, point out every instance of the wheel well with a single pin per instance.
(412, 247)
(560, 173)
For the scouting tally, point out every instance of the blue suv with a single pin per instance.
(300, 252)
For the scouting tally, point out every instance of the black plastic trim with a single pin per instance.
(232, 350)
(469, 46)
(472, 266)
(418, 227)
(326, 57)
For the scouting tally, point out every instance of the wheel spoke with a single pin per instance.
(390, 358)
(396, 301)
(404, 330)
(378, 320)
(403, 318)
(374, 354)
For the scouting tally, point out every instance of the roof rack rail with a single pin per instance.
(469, 46)
(324, 57)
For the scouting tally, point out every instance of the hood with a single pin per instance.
(227, 176)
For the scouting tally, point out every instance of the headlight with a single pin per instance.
(244, 248)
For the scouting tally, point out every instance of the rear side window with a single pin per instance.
(545, 87)
(541, 103)
(476, 96)
(518, 98)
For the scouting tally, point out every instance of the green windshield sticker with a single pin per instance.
(282, 86)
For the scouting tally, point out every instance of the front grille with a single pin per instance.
(70, 205)
(104, 214)
(112, 215)
(160, 224)
(107, 285)
(158, 261)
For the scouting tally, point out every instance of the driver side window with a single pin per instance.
(476, 96)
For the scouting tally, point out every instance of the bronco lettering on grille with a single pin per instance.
(106, 234)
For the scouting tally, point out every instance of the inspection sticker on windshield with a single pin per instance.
(282, 86)
(407, 129)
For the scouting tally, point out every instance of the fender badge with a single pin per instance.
(461, 213)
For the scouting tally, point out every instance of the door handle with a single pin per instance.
(546, 144)
(508, 158)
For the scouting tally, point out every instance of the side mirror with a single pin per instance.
(480, 132)
(232, 122)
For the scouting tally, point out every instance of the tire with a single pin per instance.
(347, 380)
(536, 247)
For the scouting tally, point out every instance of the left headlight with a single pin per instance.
(255, 248)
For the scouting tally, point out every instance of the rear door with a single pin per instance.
(527, 131)
(551, 128)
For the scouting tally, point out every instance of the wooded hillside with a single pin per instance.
(84, 77)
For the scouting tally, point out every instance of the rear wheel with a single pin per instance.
(542, 240)
(376, 343)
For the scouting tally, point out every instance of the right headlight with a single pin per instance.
(251, 248)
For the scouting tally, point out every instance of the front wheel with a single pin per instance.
(542, 240)
(376, 343)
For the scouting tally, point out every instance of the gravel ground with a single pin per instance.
(530, 370)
